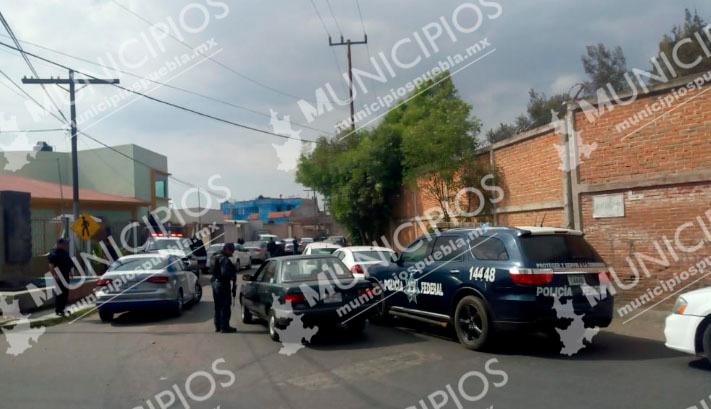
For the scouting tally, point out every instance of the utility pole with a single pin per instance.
(349, 43)
(71, 81)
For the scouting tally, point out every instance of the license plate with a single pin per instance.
(333, 298)
(576, 279)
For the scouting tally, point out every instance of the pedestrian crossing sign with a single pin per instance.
(85, 226)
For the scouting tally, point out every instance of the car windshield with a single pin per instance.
(165, 244)
(557, 249)
(255, 244)
(313, 269)
(139, 264)
(372, 255)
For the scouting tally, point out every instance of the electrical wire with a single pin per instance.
(220, 63)
(185, 90)
(171, 104)
(362, 24)
(333, 50)
(335, 20)
(29, 64)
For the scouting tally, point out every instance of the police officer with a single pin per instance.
(224, 279)
(272, 247)
(60, 265)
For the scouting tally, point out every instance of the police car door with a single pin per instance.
(441, 279)
(404, 283)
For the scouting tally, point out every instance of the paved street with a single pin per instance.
(90, 365)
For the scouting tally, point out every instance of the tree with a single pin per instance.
(691, 57)
(538, 113)
(604, 66)
(438, 140)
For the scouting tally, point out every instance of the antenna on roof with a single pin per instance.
(542, 220)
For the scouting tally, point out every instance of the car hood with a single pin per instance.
(171, 252)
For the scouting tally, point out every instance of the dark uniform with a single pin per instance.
(60, 259)
(224, 276)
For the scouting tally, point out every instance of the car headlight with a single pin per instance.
(680, 306)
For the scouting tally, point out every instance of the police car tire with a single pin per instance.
(271, 324)
(707, 342)
(245, 314)
(106, 316)
(479, 343)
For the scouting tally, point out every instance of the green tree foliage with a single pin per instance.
(438, 139)
(604, 66)
(431, 136)
(691, 53)
(538, 112)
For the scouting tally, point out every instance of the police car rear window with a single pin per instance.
(556, 249)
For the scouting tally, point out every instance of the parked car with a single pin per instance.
(340, 240)
(688, 328)
(482, 280)
(288, 287)
(303, 242)
(174, 246)
(321, 247)
(241, 258)
(257, 251)
(289, 245)
(359, 258)
(146, 282)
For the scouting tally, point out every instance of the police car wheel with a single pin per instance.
(106, 316)
(471, 322)
(245, 314)
(273, 334)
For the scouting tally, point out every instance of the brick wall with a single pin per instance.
(661, 166)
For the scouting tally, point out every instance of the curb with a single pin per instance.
(50, 320)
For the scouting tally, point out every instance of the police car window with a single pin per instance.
(417, 251)
(340, 254)
(489, 248)
(447, 247)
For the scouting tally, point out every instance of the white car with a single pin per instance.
(688, 329)
(359, 258)
(241, 257)
(145, 282)
(321, 248)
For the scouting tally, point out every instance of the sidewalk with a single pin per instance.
(45, 318)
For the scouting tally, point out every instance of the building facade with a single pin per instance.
(268, 210)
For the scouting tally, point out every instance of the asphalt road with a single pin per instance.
(140, 361)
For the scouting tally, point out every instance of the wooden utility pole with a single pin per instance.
(71, 81)
(349, 43)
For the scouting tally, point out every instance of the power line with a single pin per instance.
(221, 64)
(333, 51)
(91, 137)
(185, 90)
(29, 63)
(33, 130)
(335, 20)
(362, 24)
(171, 104)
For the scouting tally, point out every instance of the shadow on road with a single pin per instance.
(701, 364)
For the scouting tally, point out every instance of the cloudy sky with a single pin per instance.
(266, 56)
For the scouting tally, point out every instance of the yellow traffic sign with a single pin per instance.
(85, 226)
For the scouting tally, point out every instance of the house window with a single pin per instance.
(161, 188)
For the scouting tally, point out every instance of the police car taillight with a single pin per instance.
(103, 282)
(531, 276)
(605, 277)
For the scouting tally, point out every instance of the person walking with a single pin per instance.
(60, 265)
(224, 288)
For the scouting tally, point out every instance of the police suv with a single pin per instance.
(483, 280)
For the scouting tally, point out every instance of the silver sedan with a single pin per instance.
(146, 282)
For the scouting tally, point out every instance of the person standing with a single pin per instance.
(295, 245)
(272, 248)
(60, 265)
(224, 288)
